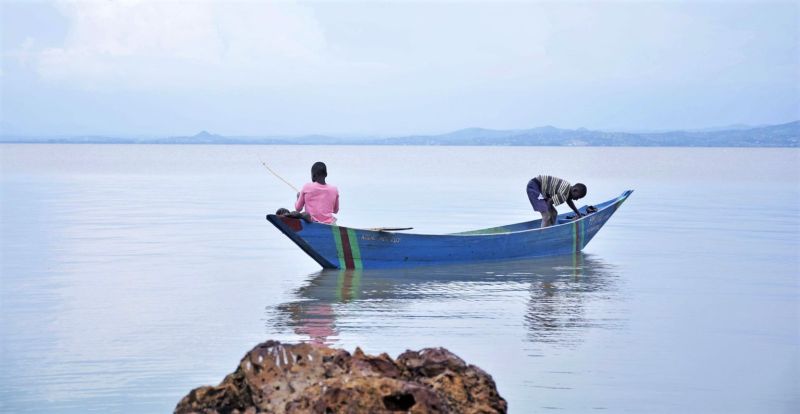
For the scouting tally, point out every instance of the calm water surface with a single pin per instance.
(132, 274)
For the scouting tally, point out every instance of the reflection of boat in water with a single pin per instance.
(335, 247)
(559, 288)
(556, 310)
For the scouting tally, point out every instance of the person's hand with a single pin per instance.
(298, 195)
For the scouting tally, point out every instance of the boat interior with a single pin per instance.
(563, 218)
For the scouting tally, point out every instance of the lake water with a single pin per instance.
(132, 274)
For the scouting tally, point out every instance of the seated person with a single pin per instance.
(320, 199)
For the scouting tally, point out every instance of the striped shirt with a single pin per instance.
(554, 188)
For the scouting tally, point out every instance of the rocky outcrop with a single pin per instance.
(308, 378)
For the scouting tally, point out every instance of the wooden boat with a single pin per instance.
(338, 247)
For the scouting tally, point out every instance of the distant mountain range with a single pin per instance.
(783, 135)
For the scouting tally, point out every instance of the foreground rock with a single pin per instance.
(307, 378)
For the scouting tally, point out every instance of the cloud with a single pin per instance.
(154, 44)
(425, 47)
(403, 67)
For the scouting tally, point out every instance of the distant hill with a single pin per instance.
(203, 137)
(207, 138)
(783, 135)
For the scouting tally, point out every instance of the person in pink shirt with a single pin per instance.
(320, 200)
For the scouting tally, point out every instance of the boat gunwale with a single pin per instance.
(622, 197)
(612, 202)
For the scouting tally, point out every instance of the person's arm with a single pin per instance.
(336, 204)
(301, 201)
(572, 206)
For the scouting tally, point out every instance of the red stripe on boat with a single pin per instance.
(346, 249)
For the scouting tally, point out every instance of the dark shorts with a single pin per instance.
(534, 190)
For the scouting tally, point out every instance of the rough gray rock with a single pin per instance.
(307, 378)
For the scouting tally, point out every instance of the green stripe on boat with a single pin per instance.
(337, 238)
(583, 234)
(575, 236)
(354, 249)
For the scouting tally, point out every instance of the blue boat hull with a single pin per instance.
(337, 247)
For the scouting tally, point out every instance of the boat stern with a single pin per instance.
(307, 236)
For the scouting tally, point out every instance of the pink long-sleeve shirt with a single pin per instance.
(320, 200)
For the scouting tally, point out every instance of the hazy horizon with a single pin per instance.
(150, 68)
(732, 127)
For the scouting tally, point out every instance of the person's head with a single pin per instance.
(318, 172)
(578, 191)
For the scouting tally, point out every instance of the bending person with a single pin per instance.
(546, 192)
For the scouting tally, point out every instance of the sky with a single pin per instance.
(166, 68)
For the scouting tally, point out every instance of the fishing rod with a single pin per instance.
(278, 176)
(381, 229)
